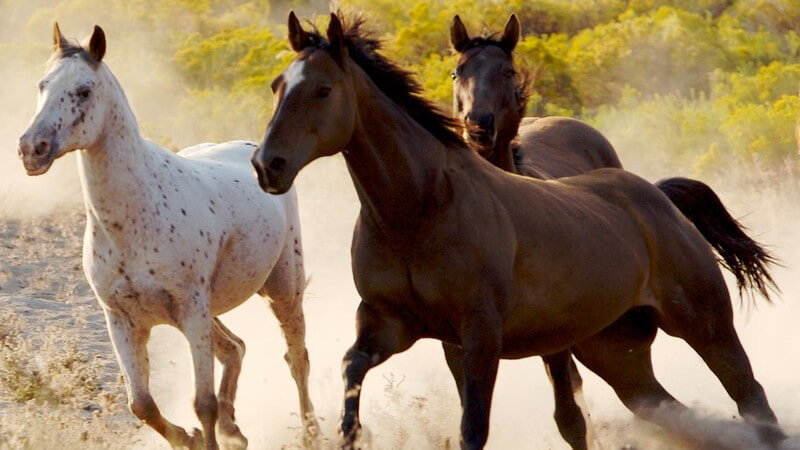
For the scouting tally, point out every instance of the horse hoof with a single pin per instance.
(771, 435)
(311, 434)
(232, 438)
(196, 441)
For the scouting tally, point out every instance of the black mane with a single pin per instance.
(396, 83)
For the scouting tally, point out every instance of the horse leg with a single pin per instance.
(455, 362)
(567, 383)
(718, 345)
(198, 328)
(620, 355)
(377, 338)
(130, 345)
(229, 350)
(285, 287)
(481, 342)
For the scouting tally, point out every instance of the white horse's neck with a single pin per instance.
(119, 174)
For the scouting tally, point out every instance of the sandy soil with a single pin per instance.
(409, 402)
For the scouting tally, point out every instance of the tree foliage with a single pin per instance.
(696, 86)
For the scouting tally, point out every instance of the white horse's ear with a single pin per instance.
(510, 34)
(298, 37)
(458, 34)
(97, 44)
(59, 41)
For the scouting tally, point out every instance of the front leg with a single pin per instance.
(454, 356)
(482, 343)
(567, 382)
(198, 329)
(377, 338)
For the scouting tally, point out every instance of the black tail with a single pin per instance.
(748, 260)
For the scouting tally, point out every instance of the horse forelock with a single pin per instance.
(69, 49)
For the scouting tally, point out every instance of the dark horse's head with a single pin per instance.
(489, 95)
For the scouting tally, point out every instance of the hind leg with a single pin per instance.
(718, 345)
(229, 350)
(620, 355)
(285, 287)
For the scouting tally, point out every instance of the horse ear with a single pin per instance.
(97, 44)
(458, 34)
(336, 38)
(59, 41)
(510, 34)
(298, 37)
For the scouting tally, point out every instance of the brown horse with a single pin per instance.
(448, 246)
(489, 99)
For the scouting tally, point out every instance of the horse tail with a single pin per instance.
(747, 259)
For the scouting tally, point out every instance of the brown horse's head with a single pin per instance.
(312, 92)
(317, 100)
(488, 94)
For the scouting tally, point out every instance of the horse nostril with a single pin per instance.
(41, 148)
(277, 164)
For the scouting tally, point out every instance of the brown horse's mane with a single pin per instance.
(396, 83)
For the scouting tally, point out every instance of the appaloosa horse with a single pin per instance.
(490, 95)
(450, 247)
(170, 239)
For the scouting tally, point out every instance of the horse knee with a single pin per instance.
(206, 408)
(144, 408)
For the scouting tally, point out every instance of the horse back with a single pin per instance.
(554, 147)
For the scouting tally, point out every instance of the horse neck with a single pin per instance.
(119, 171)
(395, 163)
(502, 156)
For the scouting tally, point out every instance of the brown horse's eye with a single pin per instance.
(453, 75)
(323, 92)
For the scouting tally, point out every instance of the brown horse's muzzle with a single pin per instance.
(272, 174)
(480, 131)
(37, 153)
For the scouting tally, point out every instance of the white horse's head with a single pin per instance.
(72, 106)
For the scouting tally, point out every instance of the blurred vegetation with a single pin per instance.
(694, 87)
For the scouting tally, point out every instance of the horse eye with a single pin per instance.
(323, 92)
(453, 75)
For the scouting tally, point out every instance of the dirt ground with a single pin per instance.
(60, 384)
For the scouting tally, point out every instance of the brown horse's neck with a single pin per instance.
(503, 156)
(395, 163)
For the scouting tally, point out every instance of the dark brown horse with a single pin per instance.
(490, 96)
(448, 246)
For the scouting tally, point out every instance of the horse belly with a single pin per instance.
(245, 261)
(544, 322)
